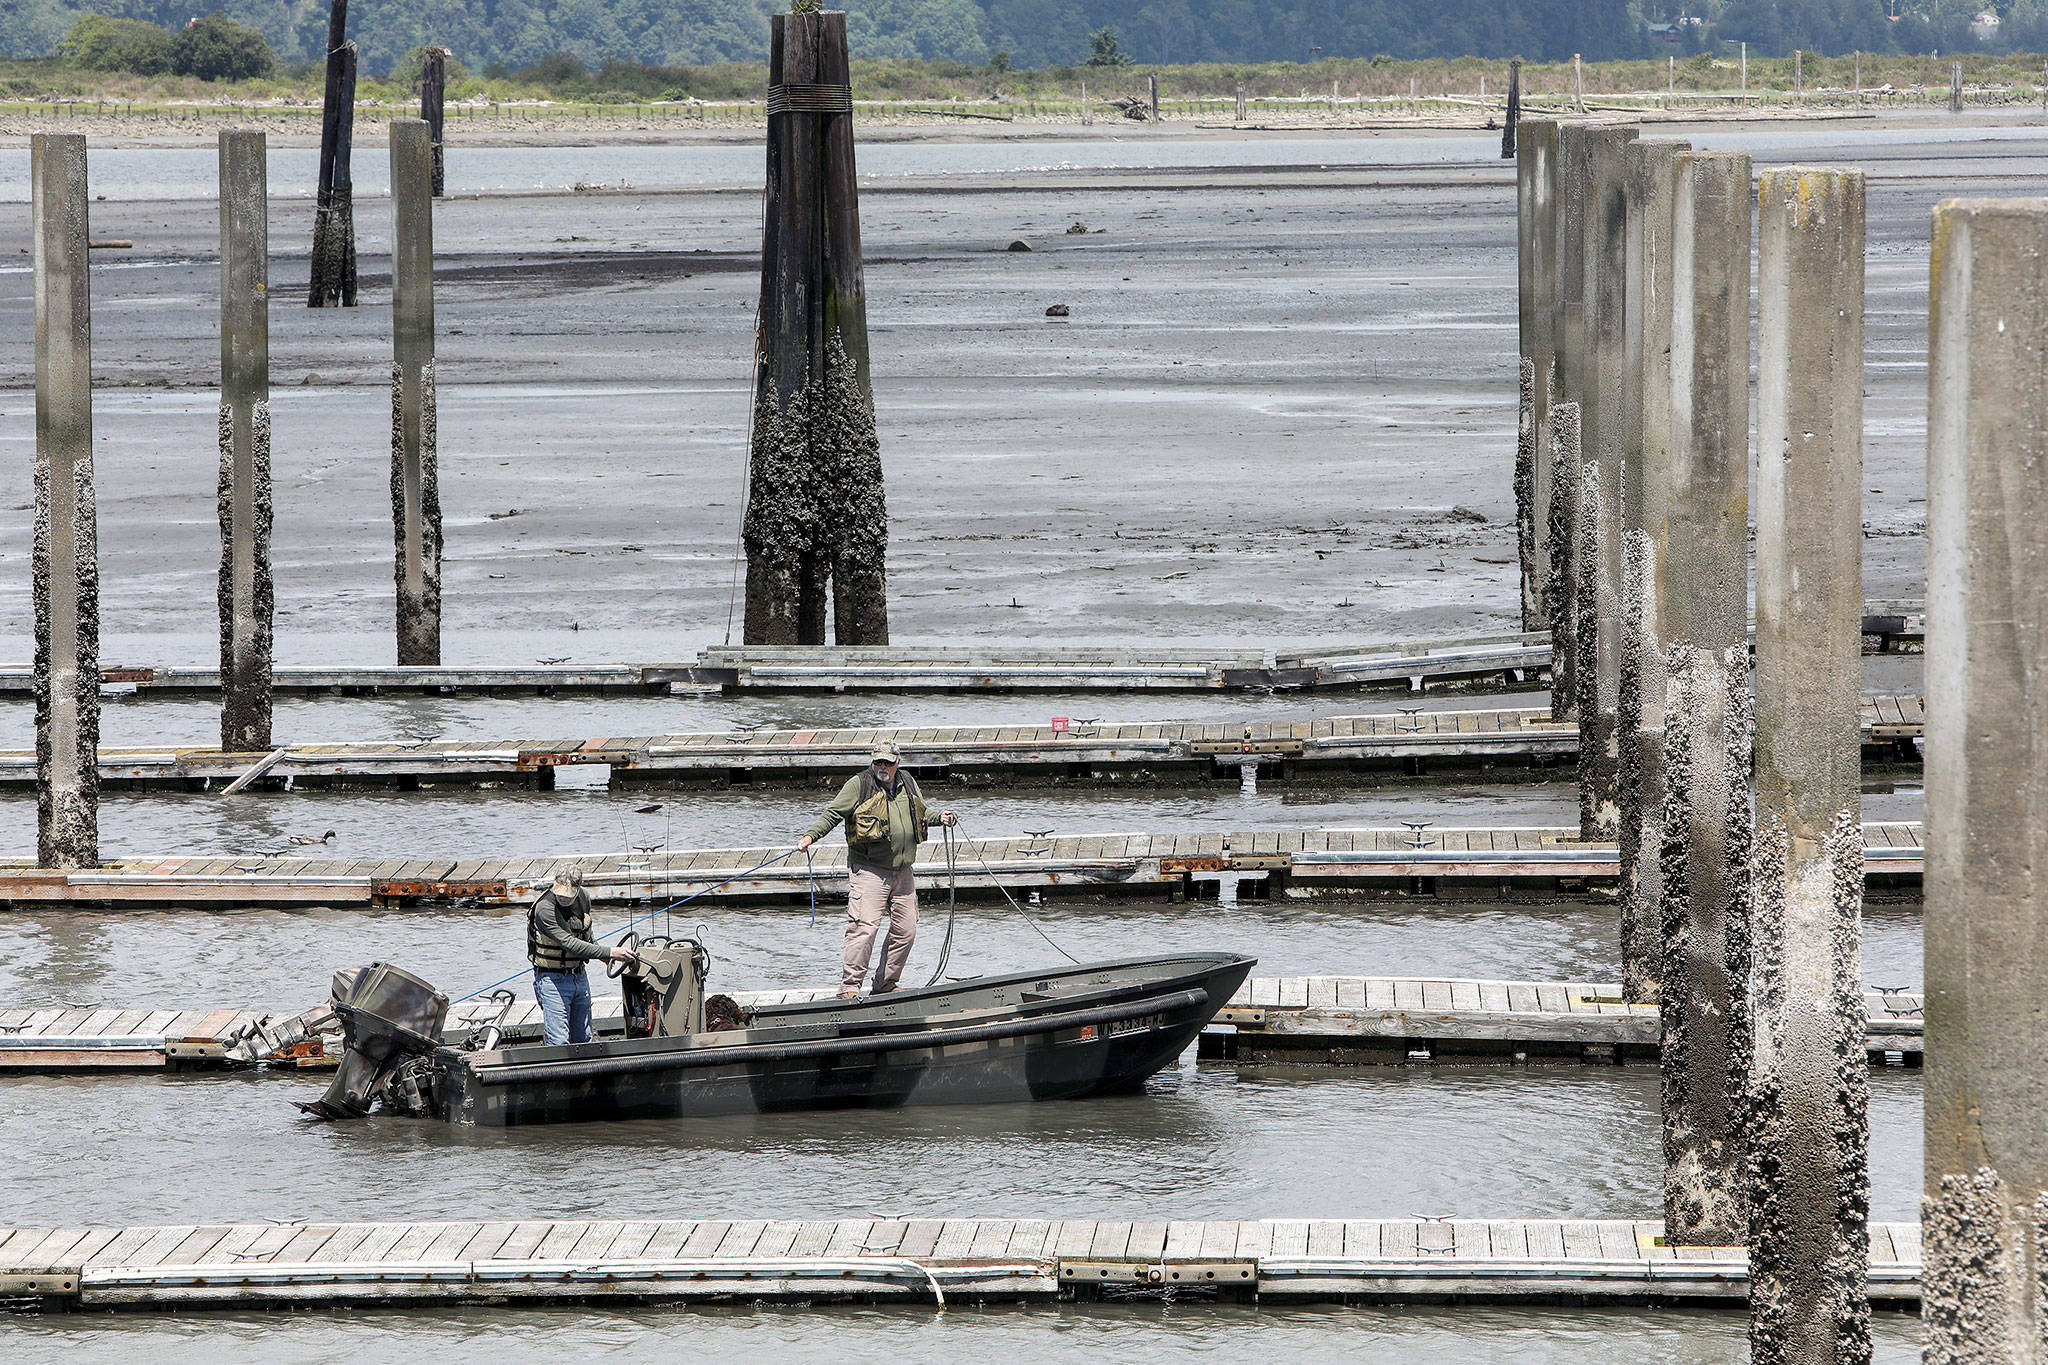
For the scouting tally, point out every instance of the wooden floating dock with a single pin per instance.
(1471, 663)
(1398, 744)
(915, 1260)
(1346, 1020)
(1412, 861)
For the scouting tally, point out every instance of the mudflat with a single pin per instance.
(1281, 406)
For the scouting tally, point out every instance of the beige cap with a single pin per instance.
(885, 752)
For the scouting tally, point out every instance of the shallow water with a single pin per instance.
(1377, 331)
(1140, 1332)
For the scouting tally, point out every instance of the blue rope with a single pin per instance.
(663, 911)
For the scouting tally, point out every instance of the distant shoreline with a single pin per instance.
(562, 129)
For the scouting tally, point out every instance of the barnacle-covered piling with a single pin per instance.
(1985, 1210)
(245, 590)
(415, 455)
(64, 562)
(1536, 215)
(1809, 1133)
(1645, 510)
(816, 525)
(1701, 590)
(1603, 421)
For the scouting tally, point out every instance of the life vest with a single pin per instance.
(574, 917)
(867, 829)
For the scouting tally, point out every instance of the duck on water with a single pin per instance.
(1088, 1029)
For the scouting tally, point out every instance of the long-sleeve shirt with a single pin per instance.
(902, 851)
(558, 937)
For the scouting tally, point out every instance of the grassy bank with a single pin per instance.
(1328, 89)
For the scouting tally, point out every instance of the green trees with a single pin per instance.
(214, 48)
(98, 43)
(217, 48)
(1036, 34)
(1105, 50)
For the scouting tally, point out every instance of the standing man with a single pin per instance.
(559, 943)
(885, 820)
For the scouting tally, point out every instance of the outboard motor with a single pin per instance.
(387, 1016)
(665, 988)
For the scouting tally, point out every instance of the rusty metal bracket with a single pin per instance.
(1277, 748)
(52, 1281)
(1242, 1016)
(404, 891)
(1158, 1272)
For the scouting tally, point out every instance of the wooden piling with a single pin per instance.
(1955, 88)
(245, 588)
(1513, 116)
(65, 557)
(1987, 960)
(1702, 590)
(334, 216)
(816, 517)
(1153, 83)
(1240, 104)
(415, 460)
(1810, 1136)
(433, 105)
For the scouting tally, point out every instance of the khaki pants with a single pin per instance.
(872, 895)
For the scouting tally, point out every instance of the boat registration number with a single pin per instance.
(1121, 1026)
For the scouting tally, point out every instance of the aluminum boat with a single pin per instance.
(1090, 1029)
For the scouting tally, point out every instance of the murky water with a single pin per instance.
(1207, 1139)
(1122, 1332)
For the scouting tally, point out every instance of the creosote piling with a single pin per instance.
(333, 280)
(816, 519)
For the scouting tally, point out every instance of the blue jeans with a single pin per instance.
(564, 1006)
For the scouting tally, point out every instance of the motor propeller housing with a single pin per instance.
(387, 1016)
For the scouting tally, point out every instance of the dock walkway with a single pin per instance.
(1289, 1260)
(1337, 1019)
(1504, 662)
(1411, 861)
(1404, 744)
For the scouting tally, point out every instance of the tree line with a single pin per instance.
(501, 36)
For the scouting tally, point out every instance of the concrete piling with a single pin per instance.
(1567, 338)
(334, 216)
(1602, 416)
(1985, 1210)
(65, 557)
(245, 589)
(817, 520)
(1536, 269)
(433, 105)
(1700, 583)
(1809, 1161)
(415, 459)
(1645, 509)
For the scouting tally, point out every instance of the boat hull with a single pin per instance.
(1111, 1040)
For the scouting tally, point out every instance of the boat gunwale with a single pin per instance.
(692, 1058)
